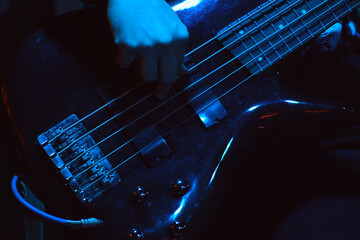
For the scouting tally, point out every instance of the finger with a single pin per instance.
(181, 69)
(167, 67)
(180, 47)
(124, 57)
(167, 73)
(149, 67)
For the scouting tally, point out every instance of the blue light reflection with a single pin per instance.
(178, 210)
(267, 103)
(222, 157)
(253, 108)
(292, 101)
(183, 202)
(186, 5)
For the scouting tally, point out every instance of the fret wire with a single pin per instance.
(271, 46)
(231, 89)
(270, 64)
(247, 49)
(278, 4)
(316, 16)
(292, 30)
(346, 4)
(240, 22)
(261, 31)
(259, 47)
(332, 12)
(307, 27)
(262, 52)
(245, 29)
(259, 67)
(220, 34)
(302, 21)
(251, 56)
(278, 32)
(220, 66)
(281, 38)
(268, 40)
(292, 9)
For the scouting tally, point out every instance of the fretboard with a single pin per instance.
(278, 27)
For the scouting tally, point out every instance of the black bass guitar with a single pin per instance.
(95, 144)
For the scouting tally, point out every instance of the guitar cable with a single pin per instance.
(83, 223)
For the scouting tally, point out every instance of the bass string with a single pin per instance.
(176, 95)
(140, 84)
(197, 81)
(103, 124)
(221, 96)
(191, 86)
(252, 14)
(95, 111)
(247, 34)
(142, 149)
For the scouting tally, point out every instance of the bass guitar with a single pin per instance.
(95, 144)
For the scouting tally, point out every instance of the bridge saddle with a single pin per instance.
(78, 159)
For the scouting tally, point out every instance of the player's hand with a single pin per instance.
(150, 32)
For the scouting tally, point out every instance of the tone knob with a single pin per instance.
(180, 188)
(176, 229)
(135, 235)
(140, 194)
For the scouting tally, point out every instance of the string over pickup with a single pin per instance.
(152, 146)
(204, 102)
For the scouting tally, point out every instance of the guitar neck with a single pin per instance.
(278, 27)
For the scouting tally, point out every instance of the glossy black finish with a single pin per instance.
(59, 71)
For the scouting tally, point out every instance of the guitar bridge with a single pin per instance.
(78, 159)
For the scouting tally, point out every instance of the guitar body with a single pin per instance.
(67, 68)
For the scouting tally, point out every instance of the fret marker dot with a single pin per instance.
(260, 59)
(281, 26)
(241, 32)
(303, 11)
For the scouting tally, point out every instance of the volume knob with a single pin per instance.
(176, 229)
(180, 188)
(135, 235)
(140, 194)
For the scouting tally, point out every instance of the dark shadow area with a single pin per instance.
(22, 18)
(327, 76)
(298, 180)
